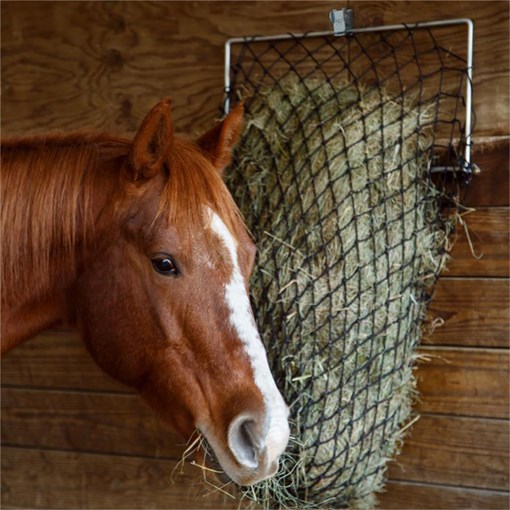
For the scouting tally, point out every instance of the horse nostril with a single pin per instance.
(244, 441)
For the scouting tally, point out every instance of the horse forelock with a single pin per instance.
(194, 188)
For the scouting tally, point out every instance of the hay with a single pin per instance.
(333, 183)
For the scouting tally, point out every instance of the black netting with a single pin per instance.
(348, 172)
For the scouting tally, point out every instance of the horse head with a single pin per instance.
(164, 306)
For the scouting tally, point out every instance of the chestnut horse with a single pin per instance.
(141, 245)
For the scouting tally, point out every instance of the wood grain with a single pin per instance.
(406, 495)
(474, 310)
(120, 58)
(53, 479)
(468, 382)
(488, 231)
(88, 422)
(116, 59)
(464, 452)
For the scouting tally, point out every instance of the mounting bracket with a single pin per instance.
(343, 20)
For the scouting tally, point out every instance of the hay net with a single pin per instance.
(335, 177)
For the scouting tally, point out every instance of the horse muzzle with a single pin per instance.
(253, 446)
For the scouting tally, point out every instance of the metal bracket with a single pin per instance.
(468, 169)
(343, 20)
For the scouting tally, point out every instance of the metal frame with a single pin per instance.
(403, 26)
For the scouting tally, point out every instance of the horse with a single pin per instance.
(141, 246)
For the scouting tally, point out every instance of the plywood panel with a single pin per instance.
(468, 382)
(52, 479)
(488, 231)
(463, 452)
(116, 59)
(401, 495)
(474, 311)
(90, 422)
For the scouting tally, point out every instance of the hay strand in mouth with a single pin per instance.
(192, 447)
(333, 181)
(197, 446)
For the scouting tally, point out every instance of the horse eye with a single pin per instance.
(165, 265)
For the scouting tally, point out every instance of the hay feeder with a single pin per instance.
(349, 173)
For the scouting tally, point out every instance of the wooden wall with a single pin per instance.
(71, 437)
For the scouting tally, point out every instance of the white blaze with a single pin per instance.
(241, 318)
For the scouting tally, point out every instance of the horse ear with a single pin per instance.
(152, 141)
(221, 139)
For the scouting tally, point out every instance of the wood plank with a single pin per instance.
(474, 310)
(488, 231)
(52, 479)
(400, 495)
(56, 359)
(468, 382)
(74, 64)
(491, 186)
(89, 422)
(464, 452)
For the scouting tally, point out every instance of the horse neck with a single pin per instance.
(59, 199)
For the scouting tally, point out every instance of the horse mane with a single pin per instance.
(47, 184)
(47, 189)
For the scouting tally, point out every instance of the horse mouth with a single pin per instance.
(201, 455)
(211, 462)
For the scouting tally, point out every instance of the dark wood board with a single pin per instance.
(474, 310)
(466, 382)
(457, 451)
(87, 422)
(489, 234)
(491, 187)
(400, 495)
(56, 359)
(53, 479)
